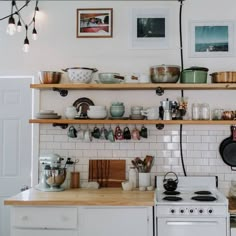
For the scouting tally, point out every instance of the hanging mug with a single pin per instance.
(111, 136)
(135, 134)
(126, 133)
(144, 132)
(118, 133)
(104, 133)
(96, 132)
(72, 132)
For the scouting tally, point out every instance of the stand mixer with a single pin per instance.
(52, 174)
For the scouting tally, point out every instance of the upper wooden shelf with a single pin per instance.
(138, 86)
(108, 121)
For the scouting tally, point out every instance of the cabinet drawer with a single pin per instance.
(44, 217)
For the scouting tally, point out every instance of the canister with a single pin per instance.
(194, 75)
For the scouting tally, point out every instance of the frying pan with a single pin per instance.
(227, 150)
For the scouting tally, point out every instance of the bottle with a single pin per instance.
(133, 177)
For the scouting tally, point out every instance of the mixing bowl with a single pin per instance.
(109, 78)
(165, 73)
(50, 77)
(55, 177)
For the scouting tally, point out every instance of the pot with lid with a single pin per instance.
(194, 75)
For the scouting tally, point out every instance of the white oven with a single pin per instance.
(181, 214)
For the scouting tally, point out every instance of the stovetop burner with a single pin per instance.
(171, 192)
(204, 198)
(172, 198)
(203, 192)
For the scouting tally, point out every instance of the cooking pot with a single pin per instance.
(223, 77)
(165, 73)
(170, 184)
(194, 75)
(81, 75)
(227, 149)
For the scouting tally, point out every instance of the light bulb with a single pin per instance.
(11, 27)
(19, 28)
(34, 34)
(26, 45)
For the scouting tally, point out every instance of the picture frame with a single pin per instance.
(149, 28)
(94, 23)
(211, 39)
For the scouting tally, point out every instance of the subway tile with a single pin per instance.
(172, 146)
(120, 154)
(141, 146)
(193, 139)
(127, 146)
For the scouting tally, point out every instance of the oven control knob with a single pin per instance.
(181, 211)
(200, 211)
(210, 211)
(172, 211)
(191, 211)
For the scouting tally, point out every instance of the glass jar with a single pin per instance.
(196, 111)
(205, 111)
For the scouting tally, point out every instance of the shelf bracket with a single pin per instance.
(160, 126)
(159, 91)
(63, 92)
(63, 126)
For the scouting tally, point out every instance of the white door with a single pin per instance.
(15, 141)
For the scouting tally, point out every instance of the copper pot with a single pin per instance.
(223, 77)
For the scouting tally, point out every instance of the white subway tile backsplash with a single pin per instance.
(200, 150)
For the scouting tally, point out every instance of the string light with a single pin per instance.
(26, 41)
(12, 27)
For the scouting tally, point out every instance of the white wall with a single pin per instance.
(58, 47)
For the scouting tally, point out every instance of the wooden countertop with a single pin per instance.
(83, 197)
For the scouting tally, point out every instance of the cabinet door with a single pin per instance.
(42, 232)
(115, 221)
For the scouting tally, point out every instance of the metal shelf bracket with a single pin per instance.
(63, 126)
(63, 92)
(159, 91)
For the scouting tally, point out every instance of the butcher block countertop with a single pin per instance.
(83, 197)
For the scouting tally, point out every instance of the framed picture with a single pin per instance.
(94, 23)
(211, 39)
(149, 28)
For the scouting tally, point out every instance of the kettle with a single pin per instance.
(170, 184)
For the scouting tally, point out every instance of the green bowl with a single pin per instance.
(193, 77)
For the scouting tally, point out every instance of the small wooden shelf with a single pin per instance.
(108, 121)
(138, 86)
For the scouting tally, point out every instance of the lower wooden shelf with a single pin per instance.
(109, 121)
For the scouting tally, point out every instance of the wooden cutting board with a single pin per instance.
(108, 173)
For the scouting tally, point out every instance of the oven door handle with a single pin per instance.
(191, 223)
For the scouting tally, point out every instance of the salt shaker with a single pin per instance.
(133, 177)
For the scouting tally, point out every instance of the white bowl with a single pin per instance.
(97, 114)
(97, 108)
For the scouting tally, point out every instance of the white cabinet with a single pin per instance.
(47, 221)
(116, 221)
(81, 221)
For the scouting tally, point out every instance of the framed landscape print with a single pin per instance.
(211, 39)
(94, 23)
(149, 28)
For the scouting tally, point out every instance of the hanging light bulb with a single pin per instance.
(11, 27)
(19, 28)
(34, 34)
(26, 45)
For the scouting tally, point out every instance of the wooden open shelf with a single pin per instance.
(108, 121)
(138, 86)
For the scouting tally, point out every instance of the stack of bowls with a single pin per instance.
(97, 112)
(117, 109)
